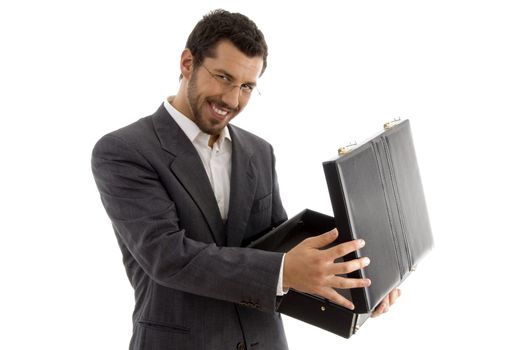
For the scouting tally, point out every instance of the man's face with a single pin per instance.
(218, 89)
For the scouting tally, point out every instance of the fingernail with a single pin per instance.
(366, 261)
(368, 282)
(351, 306)
(361, 243)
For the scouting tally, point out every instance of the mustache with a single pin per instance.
(223, 105)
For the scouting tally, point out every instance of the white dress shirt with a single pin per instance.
(217, 161)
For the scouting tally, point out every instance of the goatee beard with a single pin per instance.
(197, 117)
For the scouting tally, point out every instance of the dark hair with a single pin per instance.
(220, 25)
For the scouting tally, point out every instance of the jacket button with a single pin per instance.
(240, 346)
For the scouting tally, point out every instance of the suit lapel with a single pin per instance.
(189, 170)
(242, 189)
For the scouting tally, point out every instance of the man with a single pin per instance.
(184, 189)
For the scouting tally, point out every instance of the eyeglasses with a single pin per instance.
(227, 84)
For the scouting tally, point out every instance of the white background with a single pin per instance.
(72, 71)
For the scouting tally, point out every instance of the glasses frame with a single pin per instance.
(245, 89)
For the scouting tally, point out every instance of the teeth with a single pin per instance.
(219, 111)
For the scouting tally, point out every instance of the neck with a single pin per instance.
(178, 103)
(212, 140)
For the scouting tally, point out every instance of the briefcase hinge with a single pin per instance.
(346, 149)
(392, 123)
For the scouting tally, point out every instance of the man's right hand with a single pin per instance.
(312, 270)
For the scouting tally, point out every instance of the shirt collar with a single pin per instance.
(191, 130)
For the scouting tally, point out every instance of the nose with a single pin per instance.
(231, 97)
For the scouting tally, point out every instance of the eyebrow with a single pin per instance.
(231, 77)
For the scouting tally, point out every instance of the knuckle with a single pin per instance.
(320, 291)
(348, 283)
(343, 268)
(356, 244)
(357, 264)
(317, 259)
(307, 240)
(351, 266)
(340, 250)
(339, 283)
(332, 295)
(318, 279)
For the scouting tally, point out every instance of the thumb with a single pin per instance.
(322, 240)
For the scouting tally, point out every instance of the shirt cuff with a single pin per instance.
(279, 290)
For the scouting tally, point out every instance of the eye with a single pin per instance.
(222, 78)
(247, 87)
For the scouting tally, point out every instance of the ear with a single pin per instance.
(187, 63)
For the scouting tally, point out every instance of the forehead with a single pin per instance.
(234, 62)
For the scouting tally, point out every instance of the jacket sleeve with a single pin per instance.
(146, 221)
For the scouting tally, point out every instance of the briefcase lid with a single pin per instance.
(377, 195)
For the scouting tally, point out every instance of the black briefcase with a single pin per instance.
(377, 195)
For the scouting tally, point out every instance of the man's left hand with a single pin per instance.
(384, 305)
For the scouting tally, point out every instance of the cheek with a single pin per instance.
(242, 104)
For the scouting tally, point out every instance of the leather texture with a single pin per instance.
(377, 195)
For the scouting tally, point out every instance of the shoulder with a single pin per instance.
(141, 129)
(140, 134)
(137, 139)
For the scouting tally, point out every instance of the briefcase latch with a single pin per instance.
(392, 123)
(346, 149)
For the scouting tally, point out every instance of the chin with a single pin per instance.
(215, 127)
(217, 130)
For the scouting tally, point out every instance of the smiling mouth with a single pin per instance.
(219, 112)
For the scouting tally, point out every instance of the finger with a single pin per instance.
(386, 307)
(321, 240)
(348, 283)
(395, 293)
(378, 311)
(343, 249)
(348, 266)
(335, 297)
(381, 308)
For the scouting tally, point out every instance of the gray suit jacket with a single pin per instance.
(195, 288)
